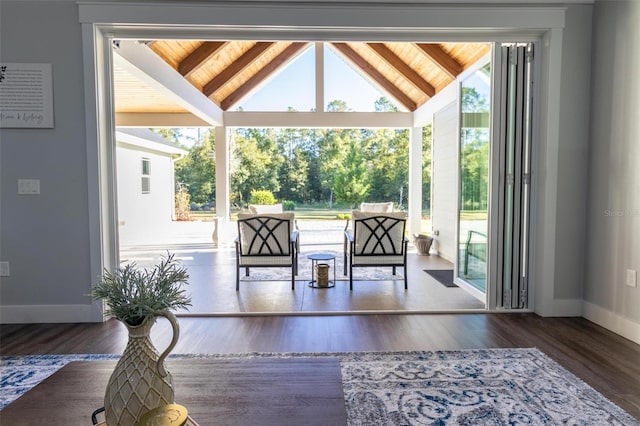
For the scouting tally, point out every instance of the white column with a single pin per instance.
(222, 234)
(415, 180)
(319, 50)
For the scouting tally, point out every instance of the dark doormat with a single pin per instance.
(443, 276)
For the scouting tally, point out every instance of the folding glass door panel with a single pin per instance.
(513, 190)
(473, 203)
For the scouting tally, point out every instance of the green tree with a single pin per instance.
(197, 171)
(383, 104)
(388, 153)
(474, 173)
(426, 167)
(255, 162)
(474, 150)
(351, 177)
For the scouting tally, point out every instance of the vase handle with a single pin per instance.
(176, 333)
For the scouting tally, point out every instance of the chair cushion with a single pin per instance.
(391, 244)
(290, 216)
(391, 260)
(276, 237)
(377, 207)
(264, 208)
(265, 260)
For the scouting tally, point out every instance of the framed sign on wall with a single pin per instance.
(26, 95)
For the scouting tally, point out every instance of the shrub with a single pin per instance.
(182, 203)
(262, 196)
(288, 205)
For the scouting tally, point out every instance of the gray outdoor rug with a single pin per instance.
(465, 387)
(369, 273)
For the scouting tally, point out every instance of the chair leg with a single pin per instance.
(393, 271)
(350, 276)
(405, 277)
(237, 277)
(246, 271)
(344, 247)
(293, 279)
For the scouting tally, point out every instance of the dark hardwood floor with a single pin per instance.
(604, 360)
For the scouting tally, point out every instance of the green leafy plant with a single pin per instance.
(262, 196)
(288, 205)
(132, 295)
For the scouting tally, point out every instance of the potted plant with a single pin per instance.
(137, 297)
(133, 295)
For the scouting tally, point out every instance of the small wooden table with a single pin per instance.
(241, 391)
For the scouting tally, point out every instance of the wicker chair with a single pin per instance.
(377, 239)
(266, 240)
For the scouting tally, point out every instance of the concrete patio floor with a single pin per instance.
(212, 277)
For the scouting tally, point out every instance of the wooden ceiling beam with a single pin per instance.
(236, 67)
(403, 68)
(199, 56)
(149, 68)
(441, 58)
(265, 72)
(380, 79)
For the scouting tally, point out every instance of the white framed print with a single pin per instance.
(26, 95)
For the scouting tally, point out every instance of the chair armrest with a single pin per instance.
(349, 236)
(294, 236)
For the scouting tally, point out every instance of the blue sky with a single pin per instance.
(295, 86)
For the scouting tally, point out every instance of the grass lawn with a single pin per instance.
(301, 214)
(323, 214)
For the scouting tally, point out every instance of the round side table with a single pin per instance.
(319, 257)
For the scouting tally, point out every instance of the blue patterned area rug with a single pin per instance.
(466, 387)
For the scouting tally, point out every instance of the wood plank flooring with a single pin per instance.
(604, 360)
(262, 391)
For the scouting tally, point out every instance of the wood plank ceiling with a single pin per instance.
(227, 71)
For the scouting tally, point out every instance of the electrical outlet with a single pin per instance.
(4, 269)
(29, 186)
(632, 278)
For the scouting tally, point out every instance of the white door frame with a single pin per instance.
(299, 20)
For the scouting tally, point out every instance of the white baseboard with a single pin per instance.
(48, 314)
(612, 321)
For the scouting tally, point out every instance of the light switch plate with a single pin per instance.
(28, 186)
(632, 278)
(4, 269)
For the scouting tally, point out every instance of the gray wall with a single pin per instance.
(572, 156)
(613, 243)
(45, 237)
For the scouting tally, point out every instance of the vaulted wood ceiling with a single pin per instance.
(227, 71)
